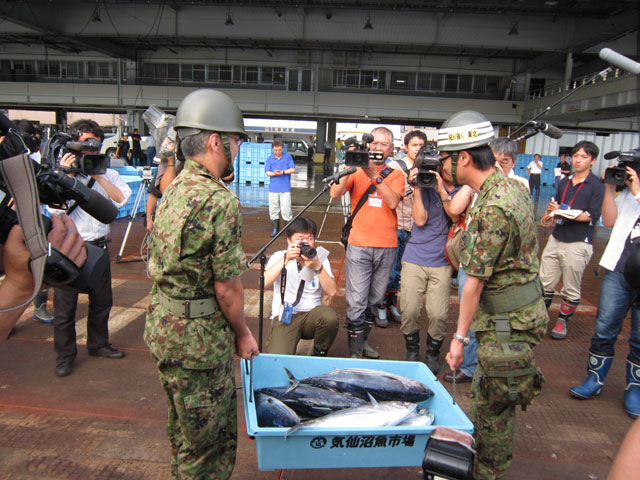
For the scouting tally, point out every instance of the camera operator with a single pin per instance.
(413, 142)
(17, 285)
(617, 296)
(426, 272)
(297, 311)
(372, 241)
(65, 302)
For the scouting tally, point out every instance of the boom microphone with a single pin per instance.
(620, 61)
(548, 129)
(335, 178)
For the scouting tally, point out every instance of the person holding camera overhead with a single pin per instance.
(426, 272)
(299, 275)
(373, 239)
(619, 292)
(65, 302)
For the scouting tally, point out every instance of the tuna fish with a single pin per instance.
(370, 415)
(362, 382)
(422, 417)
(313, 401)
(271, 412)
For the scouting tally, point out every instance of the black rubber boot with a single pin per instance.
(319, 353)
(432, 358)
(412, 342)
(367, 350)
(355, 337)
(276, 227)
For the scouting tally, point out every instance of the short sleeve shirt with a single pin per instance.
(501, 247)
(281, 183)
(195, 242)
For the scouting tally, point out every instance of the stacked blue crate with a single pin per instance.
(134, 184)
(251, 162)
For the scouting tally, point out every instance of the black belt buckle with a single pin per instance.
(187, 308)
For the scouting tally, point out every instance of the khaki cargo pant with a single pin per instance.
(320, 325)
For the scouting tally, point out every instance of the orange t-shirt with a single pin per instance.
(375, 224)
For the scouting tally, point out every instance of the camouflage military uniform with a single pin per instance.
(196, 241)
(500, 248)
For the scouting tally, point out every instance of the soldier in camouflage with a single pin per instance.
(502, 294)
(197, 309)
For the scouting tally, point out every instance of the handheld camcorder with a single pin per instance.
(618, 175)
(360, 155)
(307, 250)
(427, 162)
(88, 159)
(55, 189)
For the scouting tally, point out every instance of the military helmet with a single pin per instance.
(464, 130)
(208, 109)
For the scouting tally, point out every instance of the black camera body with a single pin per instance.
(618, 175)
(360, 155)
(88, 159)
(427, 162)
(307, 250)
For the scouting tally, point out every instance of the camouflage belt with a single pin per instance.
(201, 307)
(512, 298)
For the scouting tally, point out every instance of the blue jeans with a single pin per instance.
(394, 278)
(468, 366)
(616, 297)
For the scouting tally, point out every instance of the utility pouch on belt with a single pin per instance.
(509, 374)
(512, 298)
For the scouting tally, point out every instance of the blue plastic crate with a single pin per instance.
(336, 448)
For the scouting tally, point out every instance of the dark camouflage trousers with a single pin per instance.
(201, 420)
(494, 431)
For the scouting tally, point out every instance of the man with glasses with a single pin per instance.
(196, 312)
(372, 241)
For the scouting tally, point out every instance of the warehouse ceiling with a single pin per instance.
(536, 35)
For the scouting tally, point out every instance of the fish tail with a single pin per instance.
(293, 381)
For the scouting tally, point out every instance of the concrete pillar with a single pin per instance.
(568, 69)
(321, 136)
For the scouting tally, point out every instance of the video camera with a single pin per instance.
(618, 175)
(55, 189)
(427, 162)
(360, 155)
(88, 159)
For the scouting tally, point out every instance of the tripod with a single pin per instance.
(346, 210)
(144, 185)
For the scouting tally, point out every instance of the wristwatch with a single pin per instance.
(446, 199)
(464, 340)
(317, 272)
(378, 180)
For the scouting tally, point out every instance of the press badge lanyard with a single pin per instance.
(574, 195)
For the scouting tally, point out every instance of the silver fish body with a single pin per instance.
(361, 382)
(375, 414)
(313, 401)
(422, 417)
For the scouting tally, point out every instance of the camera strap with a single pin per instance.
(90, 184)
(283, 285)
(18, 171)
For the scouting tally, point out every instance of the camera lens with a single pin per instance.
(307, 251)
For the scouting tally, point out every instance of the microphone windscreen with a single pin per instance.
(620, 61)
(611, 155)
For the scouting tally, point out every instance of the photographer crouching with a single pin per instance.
(299, 275)
(110, 185)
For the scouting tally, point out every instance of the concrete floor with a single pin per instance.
(106, 420)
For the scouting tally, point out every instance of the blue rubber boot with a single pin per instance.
(596, 371)
(632, 390)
